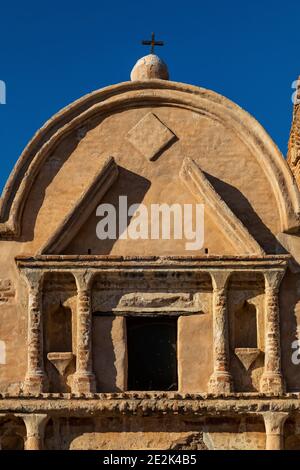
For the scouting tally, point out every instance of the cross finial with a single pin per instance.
(152, 43)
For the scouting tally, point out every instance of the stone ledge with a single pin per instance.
(193, 407)
(152, 395)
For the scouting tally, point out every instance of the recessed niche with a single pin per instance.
(58, 349)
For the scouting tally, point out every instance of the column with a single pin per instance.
(35, 429)
(36, 379)
(84, 379)
(272, 380)
(221, 380)
(274, 424)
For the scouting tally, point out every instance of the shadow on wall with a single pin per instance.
(12, 433)
(104, 357)
(148, 433)
(242, 208)
(292, 434)
(130, 184)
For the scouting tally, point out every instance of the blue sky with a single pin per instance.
(53, 53)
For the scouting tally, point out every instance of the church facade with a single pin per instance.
(149, 342)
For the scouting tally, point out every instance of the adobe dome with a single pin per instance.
(148, 68)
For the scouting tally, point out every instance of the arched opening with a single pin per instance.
(12, 442)
(12, 433)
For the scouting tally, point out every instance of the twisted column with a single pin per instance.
(84, 379)
(272, 380)
(36, 379)
(221, 380)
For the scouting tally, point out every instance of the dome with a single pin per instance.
(150, 67)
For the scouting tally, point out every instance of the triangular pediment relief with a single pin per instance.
(224, 232)
(82, 209)
(141, 191)
(223, 217)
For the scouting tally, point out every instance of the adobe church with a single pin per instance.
(140, 343)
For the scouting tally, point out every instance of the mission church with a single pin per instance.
(139, 343)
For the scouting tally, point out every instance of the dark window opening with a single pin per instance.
(246, 326)
(58, 331)
(152, 353)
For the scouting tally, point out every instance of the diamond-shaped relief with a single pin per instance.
(150, 136)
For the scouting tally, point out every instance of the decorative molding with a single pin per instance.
(139, 404)
(117, 266)
(82, 209)
(247, 356)
(225, 219)
(60, 360)
(150, 136)
(148, 302)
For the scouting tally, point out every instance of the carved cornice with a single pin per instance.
(155, 404)
(206, 264)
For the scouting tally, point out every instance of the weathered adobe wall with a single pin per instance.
(219, 152)
(148, 433)
(69, 170)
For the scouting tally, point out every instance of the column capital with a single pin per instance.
(274, 424)
(273, 278)
(33, 277)
(274, 421)
(220, 279)
(35, 428)
(83, 279)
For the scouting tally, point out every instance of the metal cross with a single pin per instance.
(152, 43)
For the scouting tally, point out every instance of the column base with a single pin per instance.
(272, 383)
(84, 383)
(36, 384)
(33, 443)
(274, 442)
(220, 382)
